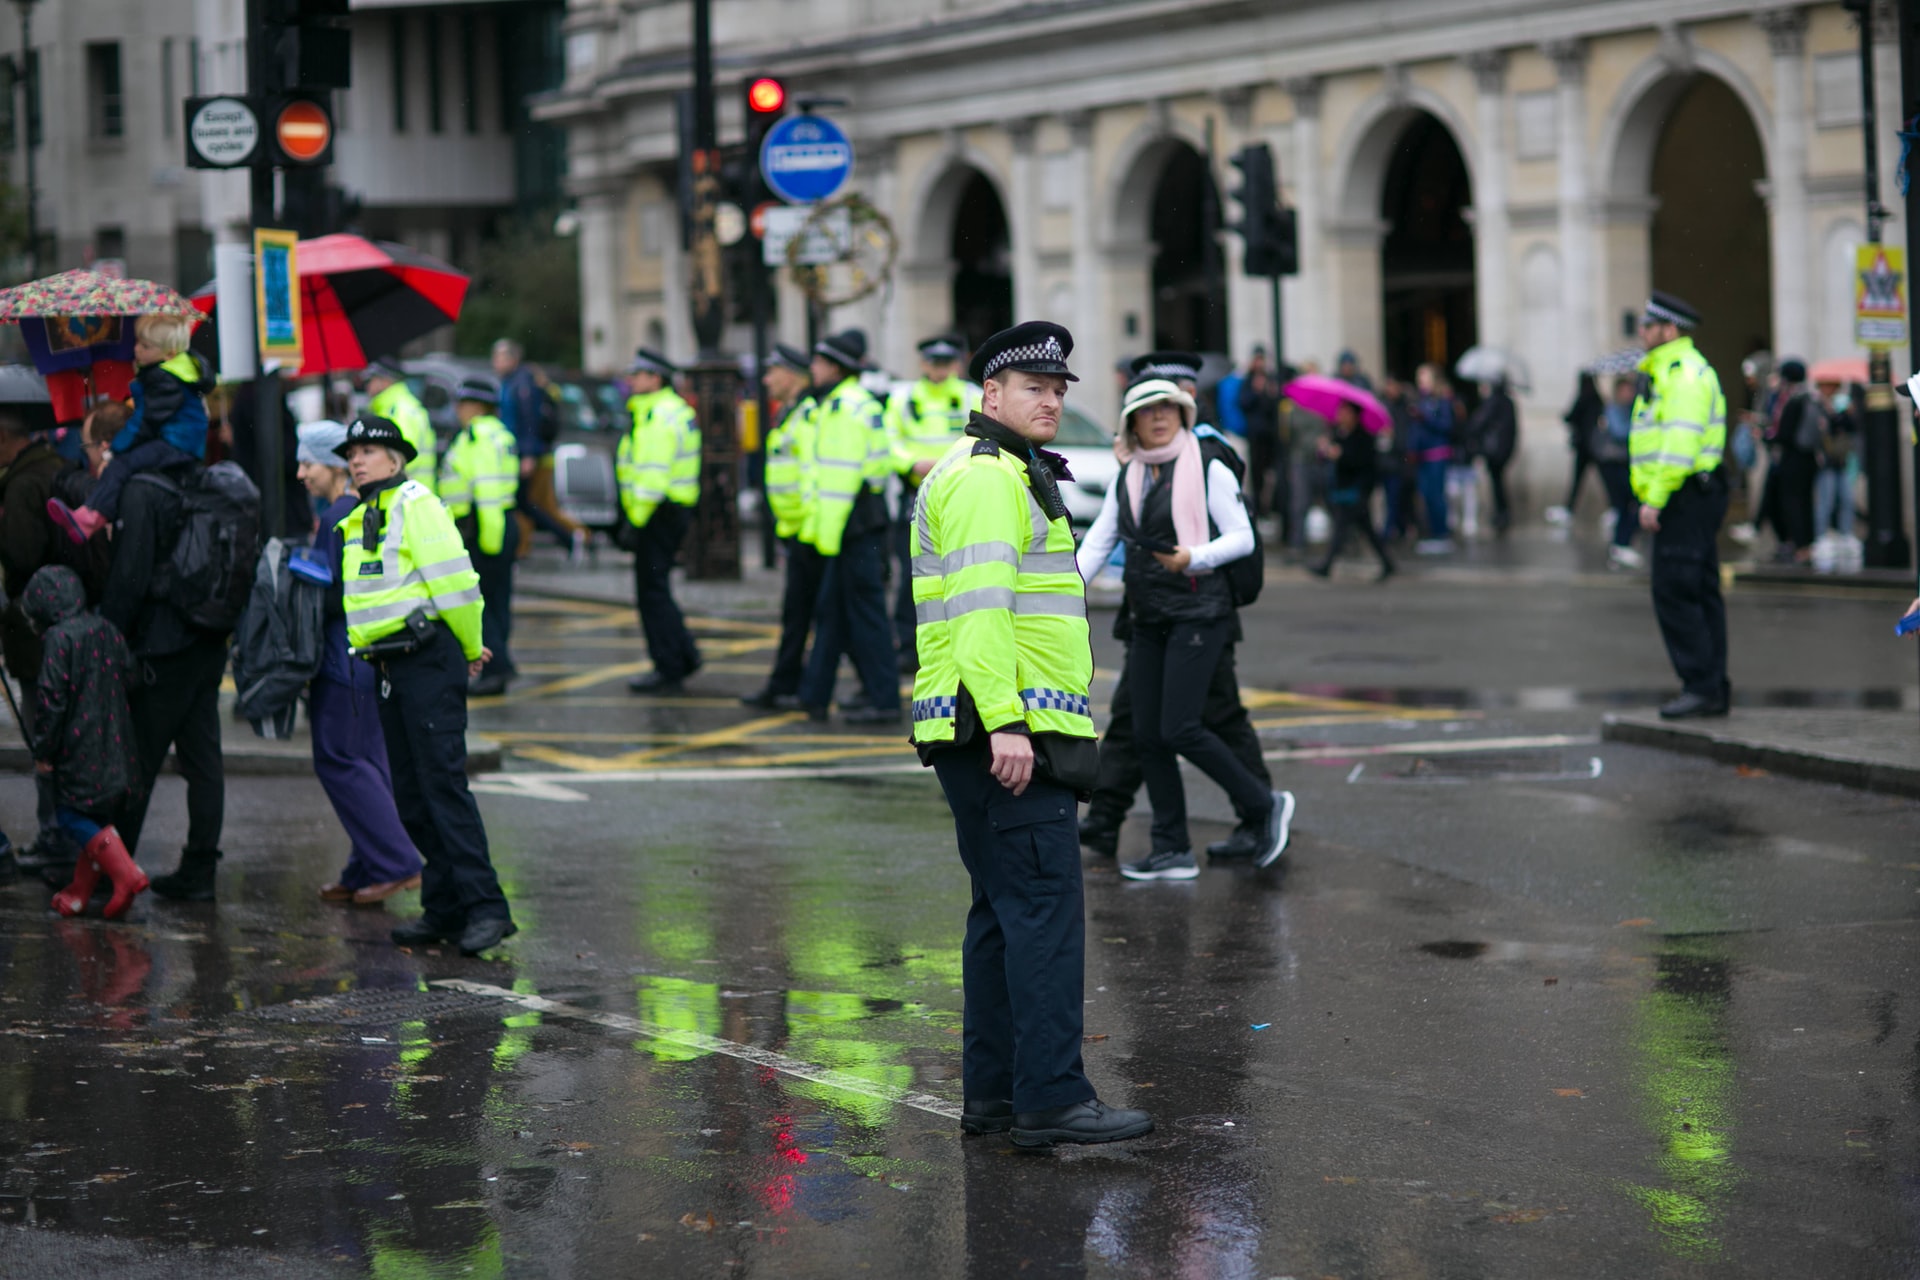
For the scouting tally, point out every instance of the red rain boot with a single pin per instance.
(128, 880)
(78, 523)
(72, 900)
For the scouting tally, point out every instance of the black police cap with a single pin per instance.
(788, 356)
(1671, 308)
(1038, 346)
(484, 390)
(381, 431)
(848, 349)
(944, 346)
(646, 360)
(1166, 364)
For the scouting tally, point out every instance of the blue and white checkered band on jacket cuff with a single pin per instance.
(1029, 354)
(1057, 700)
(936, 708)
(1654, 311)
(1169, 371)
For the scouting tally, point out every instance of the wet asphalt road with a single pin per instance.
(1504, 1011)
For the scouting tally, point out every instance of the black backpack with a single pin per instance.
(1248, 574)
(209, 575)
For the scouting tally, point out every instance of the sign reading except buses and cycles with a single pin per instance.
(222, 133)
(806, 159)
(276, 289)
(1880, 296)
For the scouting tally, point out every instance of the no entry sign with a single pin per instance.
(303, 131)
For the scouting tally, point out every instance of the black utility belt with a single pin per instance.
(418, 631)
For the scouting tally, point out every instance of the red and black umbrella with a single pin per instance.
(362, 299)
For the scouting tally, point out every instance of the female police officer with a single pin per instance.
(413, 609)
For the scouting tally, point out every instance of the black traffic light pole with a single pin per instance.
(1908, 34)
(262, 84)
(714, 379)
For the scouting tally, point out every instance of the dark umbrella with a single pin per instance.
(361, 299)
(24, 391)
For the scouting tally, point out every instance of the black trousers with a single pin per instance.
(1263, 450)
(1023, 962)
(1686, 585)
(904, 625)
(1582, 460)
(851, 619)
(1120, 776)
(176, 703)
(669, 643)
(46, 827)
(1348, 516)
(1170, 668)
(805, 567)
(1793, 498)
(423, 716)
(496, 589)
(1497, 482)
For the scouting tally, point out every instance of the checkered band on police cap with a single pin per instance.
(1047, 349)
(1671, 310)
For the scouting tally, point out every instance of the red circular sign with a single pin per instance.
(757, 220)
(303, 130)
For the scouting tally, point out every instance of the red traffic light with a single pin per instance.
(766, 95)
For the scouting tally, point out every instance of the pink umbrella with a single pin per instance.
(1845, 369)
(1317, 393)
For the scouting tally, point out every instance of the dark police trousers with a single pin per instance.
(1024, 959)
(1120, 775)
(805, 568)
(905, 625)
(176, 703)
(1686, 584)
(423, 715)
(669, 643)
(496, 589)
(852, 619)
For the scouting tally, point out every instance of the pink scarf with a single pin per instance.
(1189, 484)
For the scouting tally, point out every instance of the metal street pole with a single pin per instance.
(262, 82)
(28, 80)
(1886, 546)
(714, 378)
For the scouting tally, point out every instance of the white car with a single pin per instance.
(1088, 448)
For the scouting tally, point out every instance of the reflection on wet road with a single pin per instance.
(1503, 1012)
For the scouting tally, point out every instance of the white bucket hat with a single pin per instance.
(1155, 391)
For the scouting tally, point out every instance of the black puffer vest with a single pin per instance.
(1156, 597)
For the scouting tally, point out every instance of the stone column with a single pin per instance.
(880, 313)
(1023, 220)
(1312, 322)
(1581, 327)
(1793, 300)
(602, 349)
(1092, 327)
(1493, 296)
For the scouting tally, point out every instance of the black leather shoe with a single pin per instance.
(1083, 1122)
(487, 687)
(1104, 841)
(485, 934)
(192, 880)
(1692, 706)
(423, 933)
(764, 699)
(54, 848)
(653, 682)
(9, 869)
(870, 715)
(818, 715)
(986, 1117)
(1244, 843)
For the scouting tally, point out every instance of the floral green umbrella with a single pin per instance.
(89, 293)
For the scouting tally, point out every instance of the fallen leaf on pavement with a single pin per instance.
(1520, 1215)
(1750, 771)
(1638, 922)
(705, 1224)
(1091, 1039)
(1568, 1093)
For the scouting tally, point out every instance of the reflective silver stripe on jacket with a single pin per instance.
(1029, 604)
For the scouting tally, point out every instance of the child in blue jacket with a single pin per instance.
(168, 425)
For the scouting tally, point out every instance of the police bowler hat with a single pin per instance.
(381, 431)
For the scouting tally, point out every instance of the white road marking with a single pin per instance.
(1447, 746)
(711, 1044)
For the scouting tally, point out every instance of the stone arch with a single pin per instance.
(1135, 171)
(936, 202)
(945, 287)
(1168, 273)
(1631, 132)
(1366, 149)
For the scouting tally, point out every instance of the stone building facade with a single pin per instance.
(1499, 171)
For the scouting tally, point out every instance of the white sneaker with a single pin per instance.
(1744, 534)
(1433, 547)
(1624, 558)
(1559, 515)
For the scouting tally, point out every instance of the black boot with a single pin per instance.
(192, 880)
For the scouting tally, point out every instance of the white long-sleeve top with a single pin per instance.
(1223, 504)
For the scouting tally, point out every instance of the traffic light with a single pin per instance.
(1270, 232)
(308, 50)
(763, 100)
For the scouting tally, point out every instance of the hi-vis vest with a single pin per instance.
(419, 562)
(1679, 421)
(789, 477)
(481, 474)
(401, 407)
(924, 420)
(850, 453)
(999, 604)
(659, 459)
